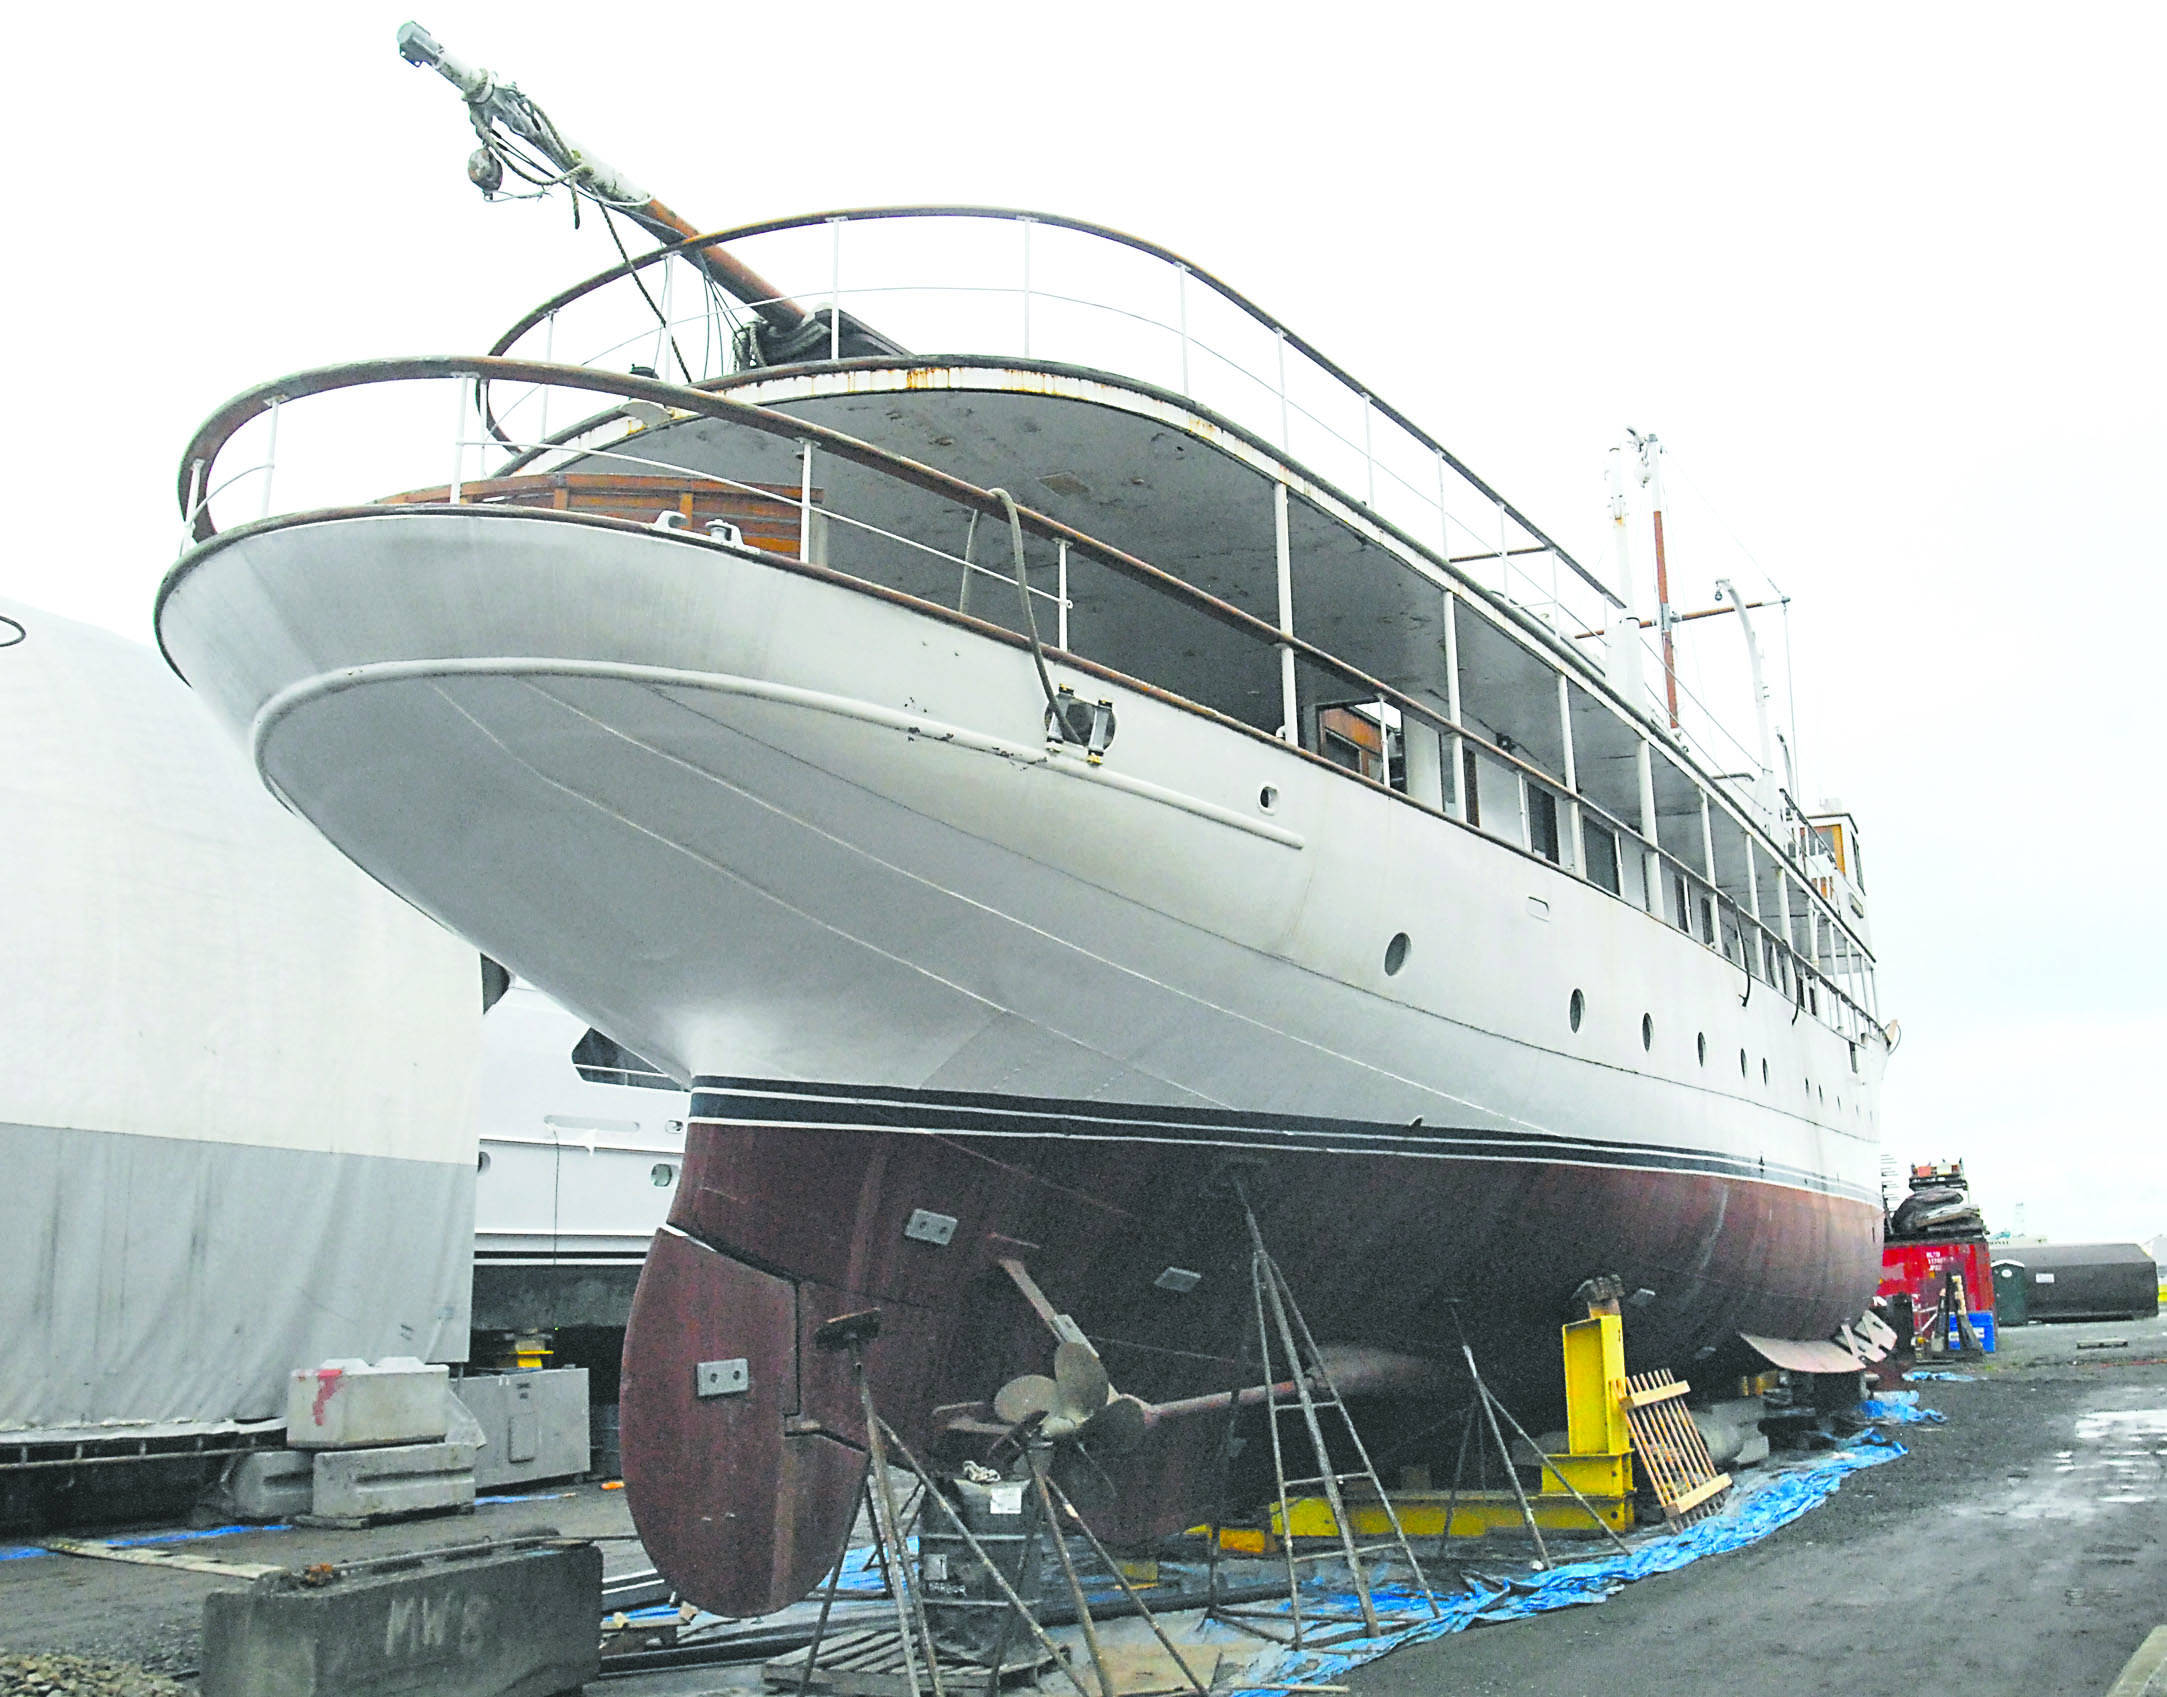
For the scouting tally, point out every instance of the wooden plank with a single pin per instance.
(154, 1556)
(1662, 1393)
(1702, 1492)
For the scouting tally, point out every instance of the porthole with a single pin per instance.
(1578, 1007)
(1395, 953)
(1824, 1097)
(481, 1162)
(1647, 1031)
(662, 1175)
(1741, 1063)
(1700, 1044)
(1268, 799)
(1764, 1069)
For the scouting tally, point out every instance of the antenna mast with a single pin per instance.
(1651, 479)
(518, 136)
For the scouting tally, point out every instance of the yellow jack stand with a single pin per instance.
(1598, 1462)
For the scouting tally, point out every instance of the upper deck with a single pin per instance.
(1211, 507)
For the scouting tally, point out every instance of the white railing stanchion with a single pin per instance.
(1452, 706)
(458, 435)
(805, 498)
(1181, 318)
(1289, 704)
(835, 288)
(1286, 440)
(1060, 640)
(1026, 223)
(270, 455)
(1369, 455)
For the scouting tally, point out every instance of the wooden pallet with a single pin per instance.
(1671, 1448)
(870, 1664)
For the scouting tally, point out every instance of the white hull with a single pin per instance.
(753, 822)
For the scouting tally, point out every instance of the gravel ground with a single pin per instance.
(80, 1676)
(153, 1619)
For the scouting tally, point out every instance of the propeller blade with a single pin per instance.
(1115, 1429)
(1023, 1397)
(1081, 1377)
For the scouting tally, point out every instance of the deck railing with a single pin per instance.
(968, 280)
(632, 487)
(1035, 287)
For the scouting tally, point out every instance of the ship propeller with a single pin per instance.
(1082, 1415)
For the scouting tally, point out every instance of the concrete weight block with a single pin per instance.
(536, 1424)
(273, 1485)
(519, 1623)
(353, 1404)
(398, 1479)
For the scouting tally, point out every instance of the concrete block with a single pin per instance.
(273, 1484)
(399, 1479)
(519, 1623)
(535, 1422)
(353, 1404)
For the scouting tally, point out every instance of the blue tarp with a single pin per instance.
(1901, 1413)
(1951, 1378)
(1756, 1510)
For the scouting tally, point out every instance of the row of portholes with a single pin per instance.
(1577, 1009)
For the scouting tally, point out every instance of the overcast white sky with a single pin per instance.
(1889, 283)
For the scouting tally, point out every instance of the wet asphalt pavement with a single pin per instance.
(2019, 1549)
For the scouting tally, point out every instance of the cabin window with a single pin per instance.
(1352, 738)
(1471, 773)
(1601, 850)
(1542, 823)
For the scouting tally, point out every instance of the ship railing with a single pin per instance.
(260, 427)
(984, 281)
(988, 281)
(1641, 873)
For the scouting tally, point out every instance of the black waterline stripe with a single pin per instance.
(784, 1107)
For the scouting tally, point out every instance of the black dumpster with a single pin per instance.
(2087, 1281)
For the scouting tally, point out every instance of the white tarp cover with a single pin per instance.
(237, 1077)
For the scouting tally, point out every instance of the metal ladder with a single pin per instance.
(1279, 1315)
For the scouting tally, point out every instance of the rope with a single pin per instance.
(1030, 619)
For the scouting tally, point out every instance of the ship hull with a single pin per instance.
(795, 1211)
(757, 821)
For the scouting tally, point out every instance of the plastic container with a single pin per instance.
(1982, 1324)
(345, 1405)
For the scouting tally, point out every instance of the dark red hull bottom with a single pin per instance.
(743, 1499)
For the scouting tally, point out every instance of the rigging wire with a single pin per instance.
(669, 333)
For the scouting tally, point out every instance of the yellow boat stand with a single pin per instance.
(1598, 1463)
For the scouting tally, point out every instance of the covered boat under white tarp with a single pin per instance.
(237, 1077)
